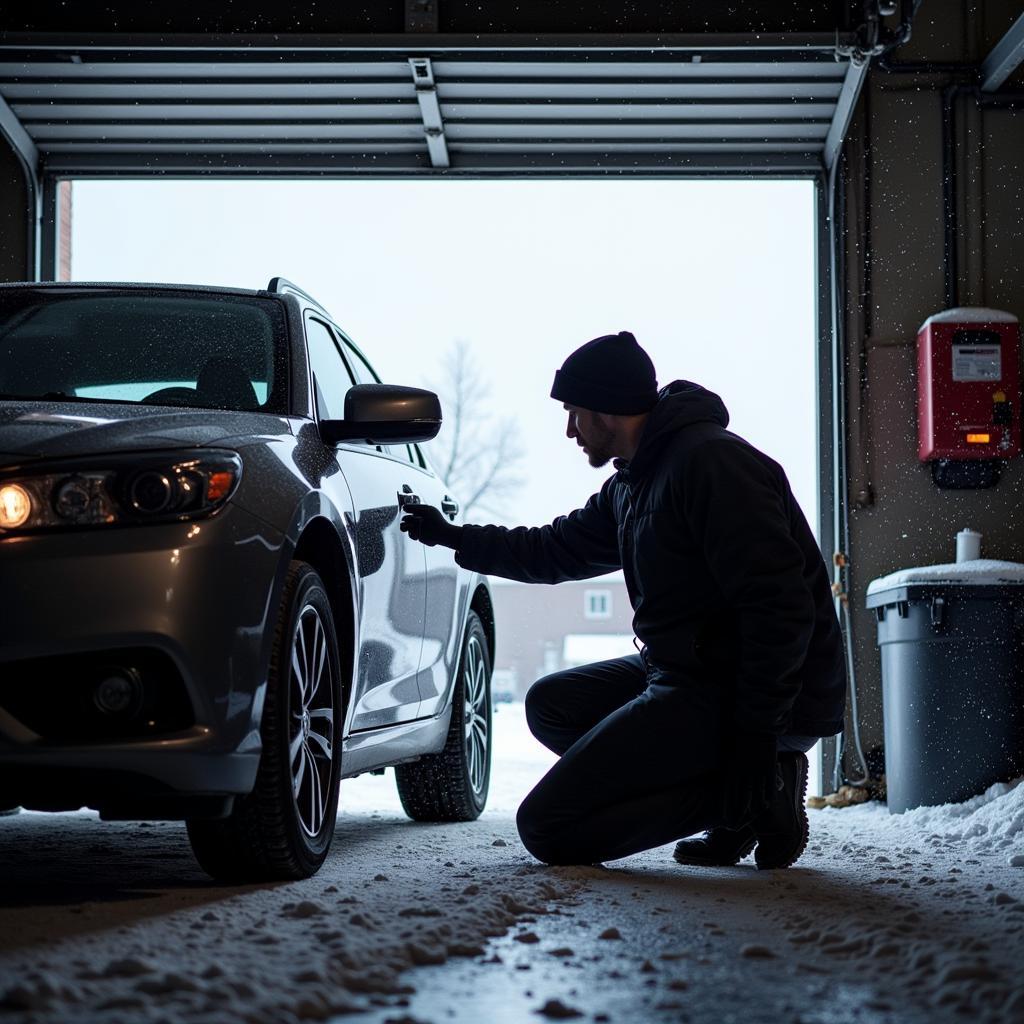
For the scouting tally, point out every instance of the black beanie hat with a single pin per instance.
(611, 374)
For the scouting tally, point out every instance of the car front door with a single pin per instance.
(438, 662)
(391, 568)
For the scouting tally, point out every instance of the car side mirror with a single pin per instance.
(385, 414)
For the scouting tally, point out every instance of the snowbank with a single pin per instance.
(992, 822)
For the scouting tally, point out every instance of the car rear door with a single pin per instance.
(391, 567)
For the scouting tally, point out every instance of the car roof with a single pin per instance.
(128, 286)
(279, 287)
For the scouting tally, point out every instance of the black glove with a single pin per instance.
(750, 777)
(427, 525)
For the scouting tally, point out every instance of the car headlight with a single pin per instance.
(119, 490)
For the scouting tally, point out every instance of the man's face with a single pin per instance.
(592, 432)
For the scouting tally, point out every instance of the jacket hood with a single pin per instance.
(34, 430)
(680, 404)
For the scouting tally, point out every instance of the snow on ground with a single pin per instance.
(916, 917)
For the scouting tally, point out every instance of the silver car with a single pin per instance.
(207, 609)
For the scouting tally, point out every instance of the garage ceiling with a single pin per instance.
(705, 103)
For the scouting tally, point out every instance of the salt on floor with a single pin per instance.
(890, 918)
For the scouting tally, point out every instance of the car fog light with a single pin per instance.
(118, 692)
(15, 506)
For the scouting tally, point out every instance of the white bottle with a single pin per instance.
(968, 545)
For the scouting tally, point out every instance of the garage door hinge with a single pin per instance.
(430, 110)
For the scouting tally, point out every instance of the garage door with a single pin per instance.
(754, 104)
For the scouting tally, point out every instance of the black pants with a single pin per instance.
(640, 762)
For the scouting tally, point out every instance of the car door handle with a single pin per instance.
(406, 497)
(449, 506)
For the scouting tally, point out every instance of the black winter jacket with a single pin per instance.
(726, 580)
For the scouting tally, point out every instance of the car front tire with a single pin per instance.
(284, 827)
(452, 785)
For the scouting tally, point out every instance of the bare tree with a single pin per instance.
(477, 454)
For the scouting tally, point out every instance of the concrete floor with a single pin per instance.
(887, 920)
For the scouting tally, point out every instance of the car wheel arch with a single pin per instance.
(482, 604)
(320, 546)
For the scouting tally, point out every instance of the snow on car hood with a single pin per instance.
(70, 429)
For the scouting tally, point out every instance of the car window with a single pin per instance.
(365, 374)
(331, 376)
(363, 371)
(139, 392)
(198, 351)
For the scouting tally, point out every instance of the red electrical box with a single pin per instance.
(968, 385)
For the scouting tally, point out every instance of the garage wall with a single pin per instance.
(15, 262)
(895, 215)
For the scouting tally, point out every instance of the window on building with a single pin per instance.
(597, 604)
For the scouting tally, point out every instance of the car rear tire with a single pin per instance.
(452, 785)
(283, 828)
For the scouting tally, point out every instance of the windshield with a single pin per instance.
(223, 352)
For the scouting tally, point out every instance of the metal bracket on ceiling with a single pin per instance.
(430, 110)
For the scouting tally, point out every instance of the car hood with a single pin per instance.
(30, 430)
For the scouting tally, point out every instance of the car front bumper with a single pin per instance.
(201, 594)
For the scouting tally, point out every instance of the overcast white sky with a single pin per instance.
(715, 278)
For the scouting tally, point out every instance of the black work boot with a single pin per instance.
(782, 828)
(718, 847)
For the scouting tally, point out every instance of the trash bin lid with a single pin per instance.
(979, 572)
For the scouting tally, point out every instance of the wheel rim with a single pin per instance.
(474, 676)
(311, 725)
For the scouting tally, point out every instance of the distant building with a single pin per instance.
(543, 629)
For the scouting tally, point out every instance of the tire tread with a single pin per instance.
(437, 787)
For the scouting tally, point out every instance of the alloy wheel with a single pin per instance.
(311, 726)
(474, 678)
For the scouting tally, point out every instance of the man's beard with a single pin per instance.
(598, 449)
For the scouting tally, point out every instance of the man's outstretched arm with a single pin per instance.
(573, 547)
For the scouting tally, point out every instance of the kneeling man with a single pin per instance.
(741, 666)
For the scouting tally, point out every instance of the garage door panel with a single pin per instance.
(480, 112)
(182, 71)
(186, 147)
(637, 132)
(252, 91)
(190, 131)
(559, 90)
(763, 103)
(200, 110)
(693, 66)
(627, 147)
(586, 110)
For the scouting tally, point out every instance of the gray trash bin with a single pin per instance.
(952, 646)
